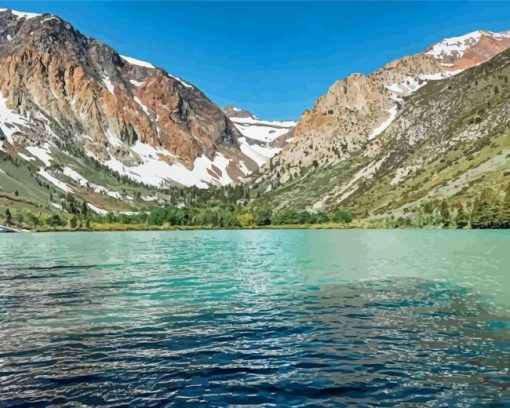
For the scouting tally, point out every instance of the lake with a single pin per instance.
(265, 318)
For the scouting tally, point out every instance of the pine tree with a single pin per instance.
(444, 212)
(505, 208)
(461, 218)
(486, 210)
(84, 208)
(8, 216)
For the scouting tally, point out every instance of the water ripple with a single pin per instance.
(265, 318)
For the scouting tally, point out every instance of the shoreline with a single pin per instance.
(283, 227)
(98, 227)
(147, 228)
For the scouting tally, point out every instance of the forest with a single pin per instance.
(487, 210)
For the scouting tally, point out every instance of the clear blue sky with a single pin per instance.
(274, 59)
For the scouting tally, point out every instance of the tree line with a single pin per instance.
(78, 216)
(489, 209)
(223, 216)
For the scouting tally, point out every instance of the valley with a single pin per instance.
(89, 135)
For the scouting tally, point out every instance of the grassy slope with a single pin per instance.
(456, 168)
(15, 176)
(36, 193)
(463, 139)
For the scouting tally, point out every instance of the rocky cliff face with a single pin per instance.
(449, 142)
(357, 109)
(63, 92)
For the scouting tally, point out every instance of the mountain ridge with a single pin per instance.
(80, 115)
(77, 119)
(445, 156)
(359, 107)
(135, 104)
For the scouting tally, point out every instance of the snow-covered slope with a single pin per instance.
(262, 139)
(21, 14)
(262, 130)
(66, 96)
(155, 172)
(456, 47)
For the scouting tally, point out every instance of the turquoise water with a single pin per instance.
(262, 318)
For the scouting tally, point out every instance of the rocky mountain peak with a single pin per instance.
(138, 120)
(474, 47)
(357, 109)
(234, 112)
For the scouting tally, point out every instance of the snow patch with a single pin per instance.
(274, 123)
(369, 170)
(156, 172)
(97, 210)
(82, 181)
(181, 81)
(379, 129)
(42, 153)
(75, 176)
(257, 153)
(148, 152)
(136, 83)
(113, 139)
(408, 85)
(108, 83)
(53, 180)
(25, 157)
(144, 150)
(135, 61)
(139, 102)
(48, 19)
(500, 35)
(22, 14)
(455, 47)
(149, 198)
(352, 186)
(262, 130)
(9, 120)
(395, 88)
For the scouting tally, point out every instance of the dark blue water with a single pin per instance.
(257, 318)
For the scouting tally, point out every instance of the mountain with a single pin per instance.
(102, 126)
(261, 139)
(357, 109)
(445, 149)
(81, 123)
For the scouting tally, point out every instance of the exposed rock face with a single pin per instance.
(449, 142)
(235, 112)
(357, 109)
(72, 90)
(463, 52)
